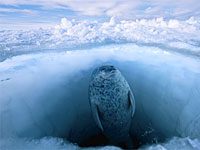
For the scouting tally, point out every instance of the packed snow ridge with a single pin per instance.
(169, 34)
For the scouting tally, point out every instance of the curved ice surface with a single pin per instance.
(179, 35)
(45, 94)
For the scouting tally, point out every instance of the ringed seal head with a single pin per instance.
(105, 72)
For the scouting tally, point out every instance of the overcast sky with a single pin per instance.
(51, 11)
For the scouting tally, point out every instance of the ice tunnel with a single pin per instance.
(47, 94)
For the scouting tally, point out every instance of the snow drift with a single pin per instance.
(179, 35)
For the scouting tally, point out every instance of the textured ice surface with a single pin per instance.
(176, 144)
(49, 143)
(179, 35)
(60, 144)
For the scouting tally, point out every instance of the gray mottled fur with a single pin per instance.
(112, 103)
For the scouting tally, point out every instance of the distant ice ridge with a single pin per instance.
(179, 35)
(171, 33)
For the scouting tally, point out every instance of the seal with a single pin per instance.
(112, 104)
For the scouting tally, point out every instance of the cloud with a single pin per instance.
(91, 8)
(121, 8)
(22, 11)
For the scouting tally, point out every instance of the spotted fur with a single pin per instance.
(112, 102)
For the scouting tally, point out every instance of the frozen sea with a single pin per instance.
(44, 78)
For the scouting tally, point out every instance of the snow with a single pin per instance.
(73, 33)
(176, 143)
(60, 144)
(45, 143)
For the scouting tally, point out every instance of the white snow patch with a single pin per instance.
(72, 33)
